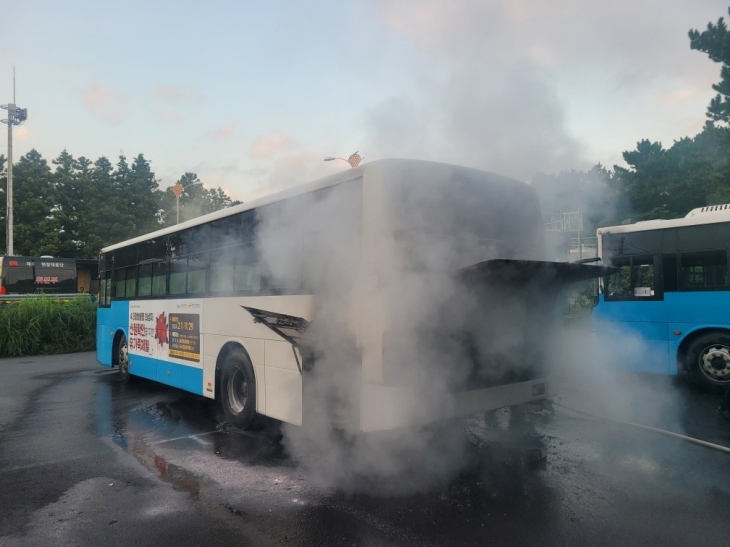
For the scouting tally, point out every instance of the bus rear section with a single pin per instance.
(28, 275)
(455, 307)
(16, 275)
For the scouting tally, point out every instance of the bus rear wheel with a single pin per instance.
(708, 359)
(238, 390)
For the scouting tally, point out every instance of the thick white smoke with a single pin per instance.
(396, 279)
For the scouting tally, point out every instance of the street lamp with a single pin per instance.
(354, 159)
(178, 189)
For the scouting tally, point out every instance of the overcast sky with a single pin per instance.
(252, 95)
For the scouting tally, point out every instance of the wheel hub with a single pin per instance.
(237, 392)
(123, 359)
(715, 362)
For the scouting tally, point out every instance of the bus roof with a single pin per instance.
(223, 213)
(342, 176)
(702, 215)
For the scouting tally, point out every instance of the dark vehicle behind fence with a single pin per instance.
(29, 275)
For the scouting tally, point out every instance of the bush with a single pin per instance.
(44, 326)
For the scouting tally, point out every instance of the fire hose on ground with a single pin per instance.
(685, 438)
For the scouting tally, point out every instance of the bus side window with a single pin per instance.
(221, 270)
(706, 270)
(635, 279)
(108, 283)
(144, 286)
(197, 270)
(178, 274)
(102, 289)
(131, 288)
(120, 283)
(247, 273)
(669, 268)
(159, 279)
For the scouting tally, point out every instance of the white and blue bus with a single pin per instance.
(395, 293)
(671, 292)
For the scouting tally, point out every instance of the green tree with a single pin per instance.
(37, 230)
(108, 218)
(715, 41)
(668, 183)
(69, 206)
(196, 200)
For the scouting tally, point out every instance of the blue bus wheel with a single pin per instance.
(708, 360)
(238, 390)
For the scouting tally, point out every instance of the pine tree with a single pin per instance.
(37, 227)
(715, 41)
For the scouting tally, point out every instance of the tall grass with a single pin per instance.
(43, 326)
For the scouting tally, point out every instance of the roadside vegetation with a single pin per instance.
(44, 326)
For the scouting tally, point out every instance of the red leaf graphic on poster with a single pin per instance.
(161, 329)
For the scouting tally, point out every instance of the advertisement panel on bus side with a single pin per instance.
(167, 330)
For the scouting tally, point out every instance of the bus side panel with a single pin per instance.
(283, 383)
(651, 324)
(638, 331)
(166, 342)
(192, 380)
(144, 367)
(108, 322)
(171, 374)
(690, 311)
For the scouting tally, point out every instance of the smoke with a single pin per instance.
(591, 373)
(505, 119)
(381, 260)
(484, 95)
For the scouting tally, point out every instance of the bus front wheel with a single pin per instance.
(708, 359)
(123, 360)
(238, 390)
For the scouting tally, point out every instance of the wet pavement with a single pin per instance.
(85, 460)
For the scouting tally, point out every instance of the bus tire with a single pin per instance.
(238, 390)
(708, 361)
(122, 359)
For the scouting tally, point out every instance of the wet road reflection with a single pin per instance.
(533, 474)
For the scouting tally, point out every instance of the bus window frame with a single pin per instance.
(658, 278)
(682, 287)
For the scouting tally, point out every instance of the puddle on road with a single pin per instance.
(144, 419)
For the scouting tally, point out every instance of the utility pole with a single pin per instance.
(16, 116)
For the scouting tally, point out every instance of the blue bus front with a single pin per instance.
(669, 297)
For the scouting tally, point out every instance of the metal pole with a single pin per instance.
(580, 233)
(9, 235)
(178, 210)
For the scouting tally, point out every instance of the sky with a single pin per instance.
(252, 96)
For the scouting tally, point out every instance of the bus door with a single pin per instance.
(632, 314)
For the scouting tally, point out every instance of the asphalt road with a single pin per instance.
(85, 460)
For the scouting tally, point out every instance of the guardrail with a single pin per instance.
(11, 298)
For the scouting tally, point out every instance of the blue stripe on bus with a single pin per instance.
(172, 374)
(654, 323)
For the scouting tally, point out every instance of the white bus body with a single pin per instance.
(179, 324)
